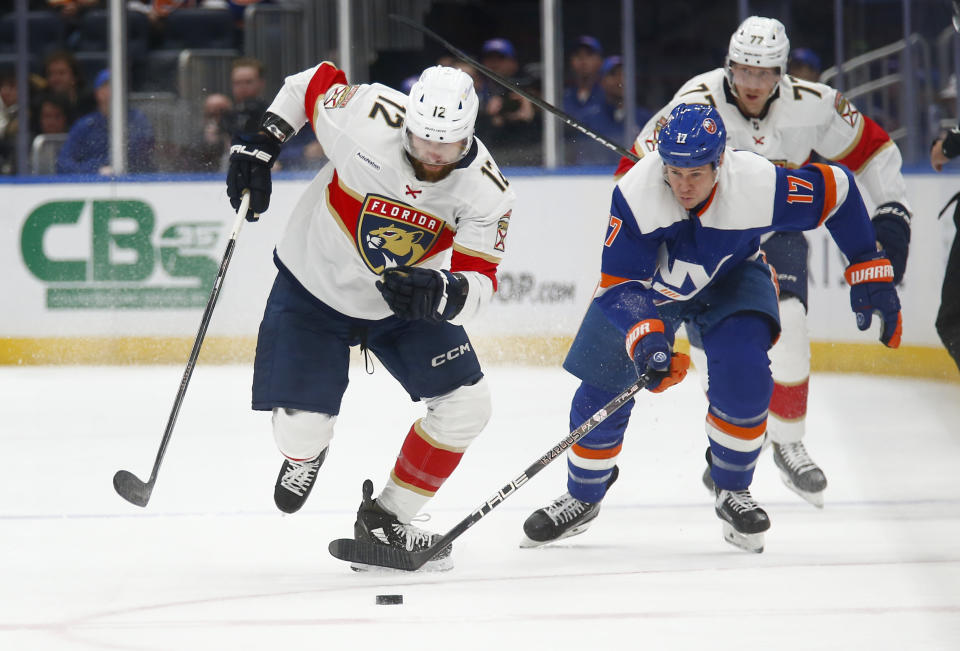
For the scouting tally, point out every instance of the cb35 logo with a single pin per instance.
(110, 257)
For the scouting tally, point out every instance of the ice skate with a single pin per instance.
(295, 482)
(566, 516)
(376, 525)
(799, 472)
(743, 520)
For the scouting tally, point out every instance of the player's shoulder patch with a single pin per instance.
(503, 223)
(845, 109)
(339, 95)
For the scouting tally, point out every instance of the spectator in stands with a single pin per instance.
(237, 9)
(87, 149)
(209, 151)
(584, 100)
(804, 64)
(54, 114)
(611, 123)
(61, 75)
(507, 122)
(71, 9)
(8, 121)
(247, 85)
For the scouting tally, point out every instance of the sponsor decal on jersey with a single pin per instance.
(338, 96)
(502, 225)
(391, 234)
(845, 110)
(368, 160)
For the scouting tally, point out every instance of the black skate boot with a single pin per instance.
(799, 472)
(295, 482)
(377, 525)
(743, 520)
(566, 516)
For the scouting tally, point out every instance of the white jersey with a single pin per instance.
(803, 118)
(366, 211)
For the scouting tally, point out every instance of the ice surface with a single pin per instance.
(211, 564)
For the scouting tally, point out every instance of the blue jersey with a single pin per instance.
(656, 252)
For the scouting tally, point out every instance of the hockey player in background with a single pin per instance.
(787, 120)
(392, 247)
(683, 248)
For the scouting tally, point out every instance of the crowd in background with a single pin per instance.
(67, 99)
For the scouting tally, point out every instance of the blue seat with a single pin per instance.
(46, 32)
(93, 34)
(198, 29)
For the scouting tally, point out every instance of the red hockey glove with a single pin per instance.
(871, 290)
(650, 351)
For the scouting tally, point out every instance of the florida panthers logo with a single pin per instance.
(391, 233)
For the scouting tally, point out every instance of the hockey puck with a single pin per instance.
(389, 599)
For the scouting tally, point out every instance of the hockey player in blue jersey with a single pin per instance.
(683, 248)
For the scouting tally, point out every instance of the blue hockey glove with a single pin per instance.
(871, 290)
(892, 224)
(650, 351)
(252, 155)
(416, 293)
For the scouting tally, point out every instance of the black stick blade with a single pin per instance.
(132, 489)
(354, 551)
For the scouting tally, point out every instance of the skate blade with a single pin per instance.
(751, 542)
(441, 565)
(814, 498)
(527, 542)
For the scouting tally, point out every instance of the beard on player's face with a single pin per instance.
(430, 173)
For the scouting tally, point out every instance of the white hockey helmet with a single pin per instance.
(760, 42)
(441, 109)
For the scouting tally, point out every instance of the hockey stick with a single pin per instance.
(355, 551)
(512, 86)
(125, 482)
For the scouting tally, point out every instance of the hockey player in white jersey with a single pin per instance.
(787, 120)
(392, 247)
(683, 248)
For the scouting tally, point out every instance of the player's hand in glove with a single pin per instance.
(416, 293)
(892, 224)
(871, 290)
(648, 347)
(252, 155)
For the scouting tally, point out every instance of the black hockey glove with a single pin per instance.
(871, 290)
(892, 224)
(951, 143)
(416, 293)
(252, 155)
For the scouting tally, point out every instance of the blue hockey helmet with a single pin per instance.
(694, 135)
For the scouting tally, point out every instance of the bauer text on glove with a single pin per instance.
(252, 155)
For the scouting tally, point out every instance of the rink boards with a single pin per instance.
(119, 272)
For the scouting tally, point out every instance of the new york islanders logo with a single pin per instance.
(710, 126)
(392, 234)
